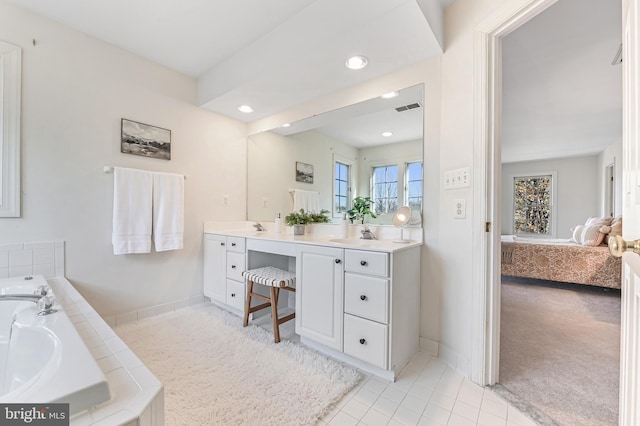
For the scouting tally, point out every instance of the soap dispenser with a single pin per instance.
(344, 227)
(278, 224)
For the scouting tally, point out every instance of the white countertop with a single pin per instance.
(321, 234)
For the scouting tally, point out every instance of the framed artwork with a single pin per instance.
(144, 139)
(304, 172)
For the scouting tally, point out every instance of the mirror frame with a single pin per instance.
(11, 74)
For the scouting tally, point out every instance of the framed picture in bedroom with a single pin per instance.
(145, 140)
(304, 172)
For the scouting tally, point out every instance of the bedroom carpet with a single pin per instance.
(216, 372)
(559, 350)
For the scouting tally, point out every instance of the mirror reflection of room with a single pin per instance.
(370, 149)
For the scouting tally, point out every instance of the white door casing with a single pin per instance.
(630, 320)
(485, 353)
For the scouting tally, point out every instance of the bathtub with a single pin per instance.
(42, 357)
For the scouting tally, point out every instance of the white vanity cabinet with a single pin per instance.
(224, 262)
(360, 305)
(366, 306)
(357, 302)
(319, 294)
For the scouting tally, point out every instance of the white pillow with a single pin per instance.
(598, 221)
(591, 236)
(577, 233)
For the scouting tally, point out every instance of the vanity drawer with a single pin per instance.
(236, 244)
(367, 262)
(235, 294)
(365, 340)
(235, 266)
(366, 296)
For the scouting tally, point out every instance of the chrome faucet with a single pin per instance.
(35, 298)
(45, 303)
(367, 234)
(258, 226)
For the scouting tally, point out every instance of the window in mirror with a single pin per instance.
(385, 189)
(414, 186)
(342, 187)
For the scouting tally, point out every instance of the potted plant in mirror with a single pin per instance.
(300, 218)
(361, 208)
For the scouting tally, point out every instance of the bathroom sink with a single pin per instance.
(353, 241)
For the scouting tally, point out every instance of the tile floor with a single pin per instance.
(427, 393)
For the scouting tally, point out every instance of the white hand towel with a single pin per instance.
(132, 191)
(168, 211)
(307, 200)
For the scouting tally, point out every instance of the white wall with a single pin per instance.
(75, 91)
(577, 191)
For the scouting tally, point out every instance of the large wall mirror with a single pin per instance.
(10, 91)
(370, 149)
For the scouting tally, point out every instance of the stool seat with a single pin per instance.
(270, 276)
(275, 278)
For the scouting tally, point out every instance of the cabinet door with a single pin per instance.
(319, 294)
(215, 267)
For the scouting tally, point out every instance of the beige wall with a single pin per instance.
(75, 91)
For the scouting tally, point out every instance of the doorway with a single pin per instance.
(489, 35)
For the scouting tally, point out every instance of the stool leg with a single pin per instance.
(274, 313)
(247, 303)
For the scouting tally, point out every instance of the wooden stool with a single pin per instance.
(276, 279)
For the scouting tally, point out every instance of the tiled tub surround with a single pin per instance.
(41, 352)
(137, 396)
(35, 258)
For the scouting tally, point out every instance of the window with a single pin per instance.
(414, 186)
(532, 197)
(385, 189)
(10, 92)
(342, 184)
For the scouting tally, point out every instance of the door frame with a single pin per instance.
(485, 351)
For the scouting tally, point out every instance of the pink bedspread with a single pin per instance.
(561, 261)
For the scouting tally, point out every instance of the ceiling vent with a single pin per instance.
(408, 107)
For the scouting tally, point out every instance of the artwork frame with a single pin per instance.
(146, 140)
(304, 172)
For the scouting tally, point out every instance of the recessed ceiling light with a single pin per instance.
(386, 134)
(390, 95)
(245, 108)
(286, 125)
(356, 62)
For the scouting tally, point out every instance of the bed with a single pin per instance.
(560, 260)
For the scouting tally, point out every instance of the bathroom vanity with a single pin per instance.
(356, 300)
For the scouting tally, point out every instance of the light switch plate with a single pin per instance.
(460, 209)
(458, 178)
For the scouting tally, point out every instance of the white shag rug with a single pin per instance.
(215, 372)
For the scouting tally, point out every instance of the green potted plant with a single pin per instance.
(300, 218)
(361, 208)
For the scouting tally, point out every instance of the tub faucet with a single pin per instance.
(45, 303)
(367, 234)
(35, 298)
(258, 226)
